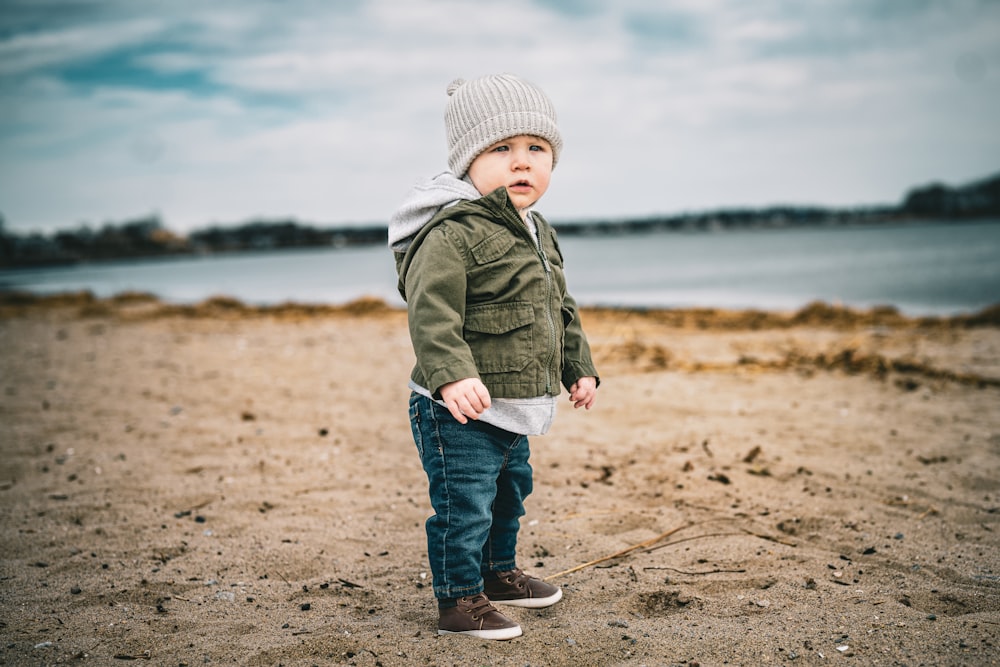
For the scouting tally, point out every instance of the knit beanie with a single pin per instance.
(492, 108)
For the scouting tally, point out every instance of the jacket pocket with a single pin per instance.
(493, 247)
(499, 335)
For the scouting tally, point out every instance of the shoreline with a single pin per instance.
(817, 313)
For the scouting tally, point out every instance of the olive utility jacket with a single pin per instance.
(484, 300)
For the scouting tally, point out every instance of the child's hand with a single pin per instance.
(466, 398)
(583, 393)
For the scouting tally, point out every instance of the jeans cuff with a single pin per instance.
(444, 592)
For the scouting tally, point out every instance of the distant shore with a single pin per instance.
(148, 236)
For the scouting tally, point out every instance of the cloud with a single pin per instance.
(329, 111)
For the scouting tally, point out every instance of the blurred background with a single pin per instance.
(184, 128)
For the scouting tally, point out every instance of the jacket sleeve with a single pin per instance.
(577, 360)
(436, 292)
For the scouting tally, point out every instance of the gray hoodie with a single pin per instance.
(423, 202)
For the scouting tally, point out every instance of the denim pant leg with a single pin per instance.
(513, 485)
(464, 465)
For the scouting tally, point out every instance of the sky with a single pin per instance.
(327, 111)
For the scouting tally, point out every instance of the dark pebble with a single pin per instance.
(75, 590)
(305, 606)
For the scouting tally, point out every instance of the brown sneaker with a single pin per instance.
(518, 589)
(476, 617)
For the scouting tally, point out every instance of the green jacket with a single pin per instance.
(484, 301)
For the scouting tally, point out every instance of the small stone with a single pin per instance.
(305, 606)
(76, 590)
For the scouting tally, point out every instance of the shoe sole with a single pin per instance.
(532, 603)
(498, 634)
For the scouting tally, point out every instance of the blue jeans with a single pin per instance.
(479, 476)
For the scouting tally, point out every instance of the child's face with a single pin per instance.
(522, 164)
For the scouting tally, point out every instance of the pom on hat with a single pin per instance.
(492, 108)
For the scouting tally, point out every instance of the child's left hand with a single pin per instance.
(583, 393)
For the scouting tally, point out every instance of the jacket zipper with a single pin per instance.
(536, 239)
(548, 309)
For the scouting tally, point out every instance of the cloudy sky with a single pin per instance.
(328, 110)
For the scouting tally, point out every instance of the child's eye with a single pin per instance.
(500, 149)
(537, 147)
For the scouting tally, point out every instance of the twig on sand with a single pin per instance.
(674, 569)
(745, 531)
(623, 552)
(688, 539)
(648, 545)
(770, 538)
(930, 510)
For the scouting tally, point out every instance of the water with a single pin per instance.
(926, 269)
(920, 269)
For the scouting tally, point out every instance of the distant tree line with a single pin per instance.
(147, 237)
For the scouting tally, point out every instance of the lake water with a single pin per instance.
(922, 269)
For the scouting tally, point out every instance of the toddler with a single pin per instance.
(495, 333)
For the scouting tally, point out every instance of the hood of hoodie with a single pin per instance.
(423, 202)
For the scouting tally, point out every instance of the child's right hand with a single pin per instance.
(466, 398)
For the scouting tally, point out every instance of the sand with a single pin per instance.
(219, 484)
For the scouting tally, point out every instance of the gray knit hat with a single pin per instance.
(492, 108)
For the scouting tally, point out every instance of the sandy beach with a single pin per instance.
(219, 484)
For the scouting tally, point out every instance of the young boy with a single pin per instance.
(495, 332)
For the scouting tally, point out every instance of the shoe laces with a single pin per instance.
(479, 606)
(515, 578)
